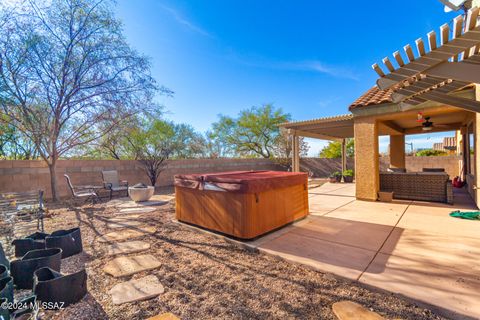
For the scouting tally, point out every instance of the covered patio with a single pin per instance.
(412, 248)
(439, 85)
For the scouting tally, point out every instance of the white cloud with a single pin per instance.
(183, 21)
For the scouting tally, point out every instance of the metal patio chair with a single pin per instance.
(112, 183)
(85, 193)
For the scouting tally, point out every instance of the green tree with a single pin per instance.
(152, 144)
(188, 143)
(334, 149)
(67, 74)
(254, 133)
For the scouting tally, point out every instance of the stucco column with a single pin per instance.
(366, 158)
(397, 151)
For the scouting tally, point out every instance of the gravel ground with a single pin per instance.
(206, 277)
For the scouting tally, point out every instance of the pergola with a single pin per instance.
(337, 128)
(441, 79)
(448, 66)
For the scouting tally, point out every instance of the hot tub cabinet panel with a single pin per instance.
(234, 209)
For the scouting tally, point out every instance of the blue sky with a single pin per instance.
(308, 58)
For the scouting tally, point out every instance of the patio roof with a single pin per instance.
(451, 64)
(327, 128)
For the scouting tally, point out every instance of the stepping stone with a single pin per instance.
(136, 290)
(143, 204)
(165, 316)
(127, 234)
(117, 202)
(348, 310)
(127, 247)
(124, 217)
(124, 224)
(137, 210)
(126, 266)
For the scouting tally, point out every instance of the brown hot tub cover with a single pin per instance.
(241, 181)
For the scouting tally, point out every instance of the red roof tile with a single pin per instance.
(373, 96)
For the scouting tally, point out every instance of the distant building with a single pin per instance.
(449, 145)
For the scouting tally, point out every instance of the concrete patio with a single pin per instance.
(408, 247)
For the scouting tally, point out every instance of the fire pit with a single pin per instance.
(140, 192)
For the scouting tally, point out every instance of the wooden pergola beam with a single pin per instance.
(313, 135)
(461, 71)
(458, 102)
(465, 37)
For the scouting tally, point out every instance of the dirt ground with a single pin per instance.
(206, 277)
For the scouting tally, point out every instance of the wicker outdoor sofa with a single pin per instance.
(422, 186)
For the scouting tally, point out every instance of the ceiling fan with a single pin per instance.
(427, 125)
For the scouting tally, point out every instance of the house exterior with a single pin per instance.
(440, 83)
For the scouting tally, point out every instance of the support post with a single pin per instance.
(397, 151)
(344, 156)
(295, 153)
(366, 158)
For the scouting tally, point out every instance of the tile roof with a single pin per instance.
(373, 96)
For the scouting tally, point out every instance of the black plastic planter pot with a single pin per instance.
(4, 313)
(34, 241)
(22, 270)
(3, 258)
(70, 241)
(3, 271)
(6, 289)
(28, 311)
(61, 290)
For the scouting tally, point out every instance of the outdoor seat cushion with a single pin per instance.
(120, 188)
(83, 194)
(22, 270)
(70, 241)
(52, 286)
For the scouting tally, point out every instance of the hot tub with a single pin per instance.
(242, 204)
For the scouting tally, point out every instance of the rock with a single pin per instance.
(124, 224)
(127, 234)
(127, 247)
(136, 290)
(136, 210)
(165, 316)
(348, 310)
(126, 266)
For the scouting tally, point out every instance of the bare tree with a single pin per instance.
(67, 74)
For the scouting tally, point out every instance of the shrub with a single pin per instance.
(430, 153)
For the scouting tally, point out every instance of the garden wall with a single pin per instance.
(416, 164)
(324, 167)
(17, 176)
